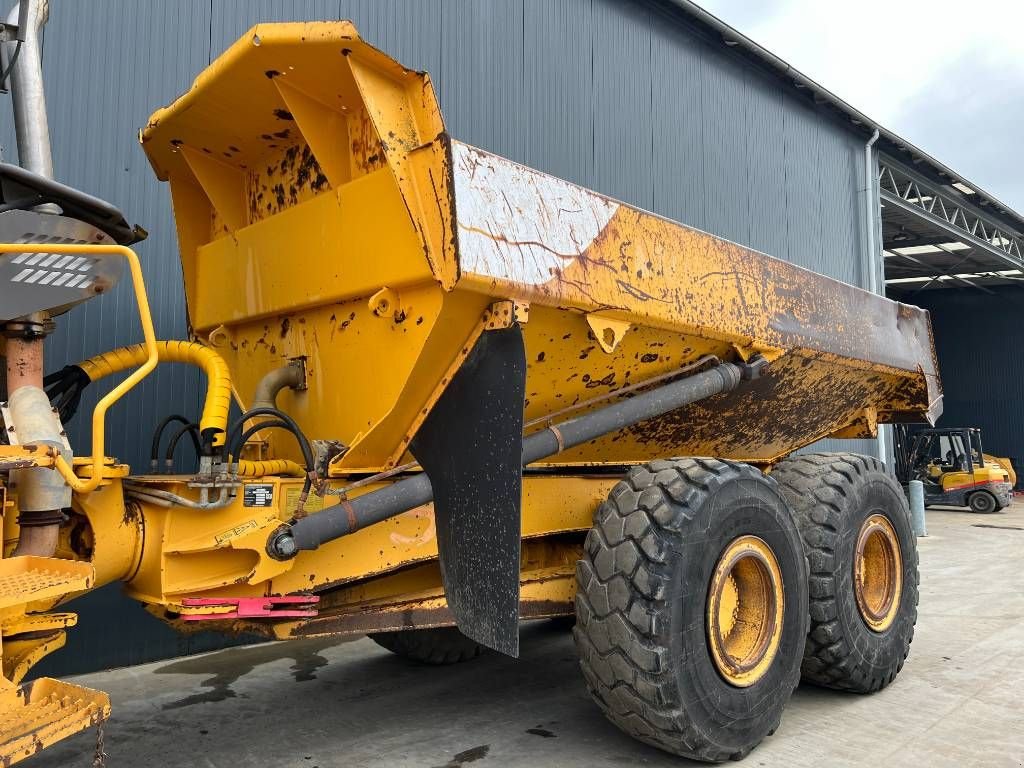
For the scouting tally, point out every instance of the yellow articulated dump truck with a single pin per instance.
(470, 394)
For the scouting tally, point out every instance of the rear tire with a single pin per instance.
(837, 498)
(645, 635)
(983, 502)
(438, 646)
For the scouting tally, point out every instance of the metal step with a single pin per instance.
(44, 711)
(27, 579)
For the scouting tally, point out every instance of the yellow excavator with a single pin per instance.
(464, 386)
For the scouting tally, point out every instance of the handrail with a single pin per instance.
(99, 413)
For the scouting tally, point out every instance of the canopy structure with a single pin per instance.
(936, 235)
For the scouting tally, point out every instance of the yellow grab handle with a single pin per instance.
(151, 357)
(218, 377)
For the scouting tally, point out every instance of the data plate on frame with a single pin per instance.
(258, 495)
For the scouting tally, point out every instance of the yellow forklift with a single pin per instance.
(954, 469)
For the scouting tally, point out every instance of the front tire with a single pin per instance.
(855, 524)
(983, 502)
(678, 553)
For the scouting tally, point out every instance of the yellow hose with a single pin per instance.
(270, 467)
(218, 378)
(218, 392)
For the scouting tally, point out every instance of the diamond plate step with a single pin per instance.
(27, 579)
(40, 713)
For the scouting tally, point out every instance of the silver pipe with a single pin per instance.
(30, 122)
(291, 376)
(167, 499)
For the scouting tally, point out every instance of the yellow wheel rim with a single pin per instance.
(878, 573)
(744, 611)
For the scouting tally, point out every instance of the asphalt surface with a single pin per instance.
(326, 704)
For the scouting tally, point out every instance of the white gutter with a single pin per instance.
(873, 259)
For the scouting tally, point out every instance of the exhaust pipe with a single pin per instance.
(42, 493)
(31, 126)
(290, 376)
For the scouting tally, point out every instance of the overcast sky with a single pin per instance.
(946, 75)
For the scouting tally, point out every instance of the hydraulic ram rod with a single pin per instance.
(351, 515)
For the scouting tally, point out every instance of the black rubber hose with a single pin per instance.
(290, 425)
(64, 388)
(335, 522)
(233, 444)
(272, 424)
(158, 434)
(294, 430)
(192, 430)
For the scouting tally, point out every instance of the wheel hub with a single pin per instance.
(744, 611)
(878, 573)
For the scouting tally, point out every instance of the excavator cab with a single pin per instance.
(955, 470)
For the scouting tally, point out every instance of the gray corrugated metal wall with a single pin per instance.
(981, 368)
(618, 95)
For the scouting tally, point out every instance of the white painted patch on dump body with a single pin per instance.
(518, 224)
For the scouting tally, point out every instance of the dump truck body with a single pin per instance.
(421, 319)
(389, 244)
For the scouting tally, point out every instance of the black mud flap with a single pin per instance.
(471, 446)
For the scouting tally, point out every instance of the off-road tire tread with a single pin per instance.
(438, 646)
(622, 583)
(817, 486)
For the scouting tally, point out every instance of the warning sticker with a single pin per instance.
(314, 503)
(258, 496)
(235, 532)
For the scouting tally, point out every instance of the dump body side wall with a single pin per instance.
(837, 351)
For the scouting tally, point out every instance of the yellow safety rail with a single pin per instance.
(80, 485)
(218, 377)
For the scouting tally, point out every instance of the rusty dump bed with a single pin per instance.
(324, 213)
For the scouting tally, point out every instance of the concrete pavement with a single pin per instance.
(326, 704)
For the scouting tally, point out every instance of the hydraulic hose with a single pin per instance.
(282, 421)
(192, 430)
(158, 434)
(289, 424)
(239, 445)
(270, 467)
(267, 466)
(213, 422)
